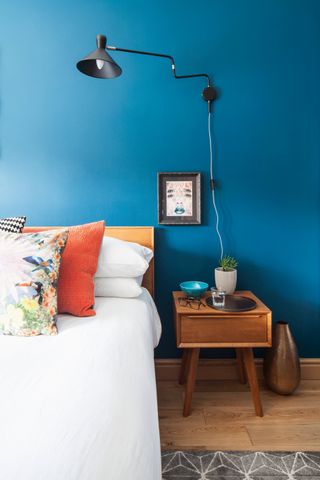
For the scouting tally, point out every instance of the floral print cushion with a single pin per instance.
(29, 271)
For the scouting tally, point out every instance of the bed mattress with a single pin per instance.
(82, 405)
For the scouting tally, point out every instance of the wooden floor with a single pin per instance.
(223, 418)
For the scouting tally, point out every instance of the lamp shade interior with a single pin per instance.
(99, 64)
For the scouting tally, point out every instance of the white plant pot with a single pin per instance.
(226, 281)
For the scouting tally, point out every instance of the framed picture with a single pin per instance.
(179, 198)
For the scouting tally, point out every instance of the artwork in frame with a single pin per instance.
(179, 198)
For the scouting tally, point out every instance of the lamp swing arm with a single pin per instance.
(162, 55)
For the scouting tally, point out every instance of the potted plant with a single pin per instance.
(226, 275)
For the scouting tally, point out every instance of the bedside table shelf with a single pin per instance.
(209, 328)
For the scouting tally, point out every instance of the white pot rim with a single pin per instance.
(220, 269)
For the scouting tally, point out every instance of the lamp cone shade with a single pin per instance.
(98, 63)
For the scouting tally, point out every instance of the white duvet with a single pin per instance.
(82, 405)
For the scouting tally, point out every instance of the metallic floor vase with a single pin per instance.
(281, 364)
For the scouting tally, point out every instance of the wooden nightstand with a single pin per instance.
(209, 328)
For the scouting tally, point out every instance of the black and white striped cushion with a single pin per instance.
(12, 224)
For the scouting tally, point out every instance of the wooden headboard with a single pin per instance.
(142, 235)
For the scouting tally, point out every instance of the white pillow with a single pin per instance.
(122, 259)
(117, 287)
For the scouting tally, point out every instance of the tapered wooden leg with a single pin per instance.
(184, 365)
(191, 378)
(241, 367)
(248, 359)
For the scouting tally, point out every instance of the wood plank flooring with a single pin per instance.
(223, 418)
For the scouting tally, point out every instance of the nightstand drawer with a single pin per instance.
(230, 330)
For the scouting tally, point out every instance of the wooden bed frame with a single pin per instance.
(142, 235)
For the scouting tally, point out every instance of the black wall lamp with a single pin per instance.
(99, 64)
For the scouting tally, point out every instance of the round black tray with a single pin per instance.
(234, 303)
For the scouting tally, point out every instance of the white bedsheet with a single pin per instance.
(82, 405)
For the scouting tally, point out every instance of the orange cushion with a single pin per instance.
(78, 266)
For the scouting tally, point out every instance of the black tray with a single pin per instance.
(234, 303)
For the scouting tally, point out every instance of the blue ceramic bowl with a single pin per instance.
(194, 288)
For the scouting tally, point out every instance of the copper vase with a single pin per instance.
(281, 365)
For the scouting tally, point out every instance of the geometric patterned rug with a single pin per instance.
(240, 465)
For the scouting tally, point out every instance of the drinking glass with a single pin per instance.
(218, 297)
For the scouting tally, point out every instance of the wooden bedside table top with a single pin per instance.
(210, 328)
(260, 309)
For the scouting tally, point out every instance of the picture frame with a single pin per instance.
(179, 198)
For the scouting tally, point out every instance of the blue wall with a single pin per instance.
(76, 149)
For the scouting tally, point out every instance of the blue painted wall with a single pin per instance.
(76, 149)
